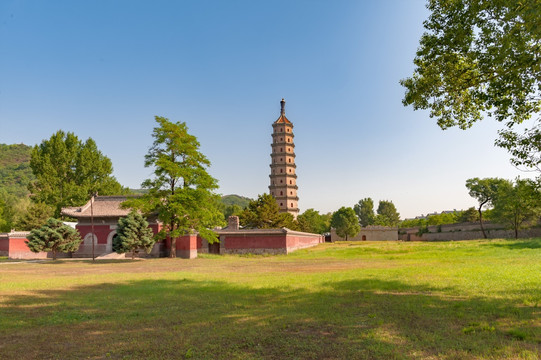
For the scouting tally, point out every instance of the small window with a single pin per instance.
(289, 160)
(281, 204)
(287, 130)
(290, 181)
(281, 171)
(281, 139)
(281, 193)
(280, 181)
(289, 170)
(291, 204)
(291, 193)
(281, 149)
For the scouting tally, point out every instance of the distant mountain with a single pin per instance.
(241, 201)
(15, 172)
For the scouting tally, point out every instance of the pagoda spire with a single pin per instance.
(283, 177)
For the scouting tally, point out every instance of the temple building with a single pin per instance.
(283, 177)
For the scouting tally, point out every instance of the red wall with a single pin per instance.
(301, 241)
(18, 244)
(101, 232)
(254, 241)
(4, 244)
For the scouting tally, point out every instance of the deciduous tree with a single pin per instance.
(264, 213)
(68, 171)
(181, 192)
(485, 191)
(517, 205)
(313, 222)
(55, 237)
(345, 222)
(35, 216)
(132, 234)
(387, 214)
(365, 211)
(482, 57)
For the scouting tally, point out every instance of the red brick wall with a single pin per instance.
(4, 244)
(255, 241)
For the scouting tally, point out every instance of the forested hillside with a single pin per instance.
(236, 200)
(15, 172)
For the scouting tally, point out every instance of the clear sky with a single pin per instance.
(104, 69)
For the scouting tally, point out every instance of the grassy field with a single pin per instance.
(391, 300)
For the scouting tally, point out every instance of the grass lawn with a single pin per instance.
(370, 300)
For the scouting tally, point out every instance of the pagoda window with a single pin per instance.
(280, 171)
(280, 181)
(281, 193)
(281, 204)
(291, 204)
(290, 181)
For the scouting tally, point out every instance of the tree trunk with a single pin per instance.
(54, 254)
(481, 220)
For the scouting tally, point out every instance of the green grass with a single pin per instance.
(370, 300)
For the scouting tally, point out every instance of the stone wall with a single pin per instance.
(465, 231)
(370, 233)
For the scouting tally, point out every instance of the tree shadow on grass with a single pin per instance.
(512, 244)
(354, 319)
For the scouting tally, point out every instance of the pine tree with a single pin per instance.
(133, 233)
(55, 237)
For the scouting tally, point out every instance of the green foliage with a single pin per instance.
(387, 214)
(469, 215)
(232, 210)
(365, 212)
(68, 171)
(15, 172)
(36, 215)
(12, 208)
(235, 200)
(345, 222)
(133, 233)
(313, 222)
(55, 237)
(518, 205)
(481, 57)
(410, 223)
(182, 191)
(485, 191)
(233, 205)
(264, 213)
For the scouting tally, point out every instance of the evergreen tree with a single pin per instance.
(345, 222)
(55, 237)
(133, 233)
(182, 191)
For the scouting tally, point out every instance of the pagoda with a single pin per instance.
(283, 177)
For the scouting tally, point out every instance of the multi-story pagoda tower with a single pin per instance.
(283, 177)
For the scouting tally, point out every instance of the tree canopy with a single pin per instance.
(345, 222)
(264, 213)
(365, 211)
(313, 222)
(480, 57)
(181, 192)
(55, 237)
(517, 205)
(387, 214)
(485, 191)
(68, 171)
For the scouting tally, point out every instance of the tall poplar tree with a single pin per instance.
(181, 193)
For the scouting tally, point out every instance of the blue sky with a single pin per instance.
(104, 69)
